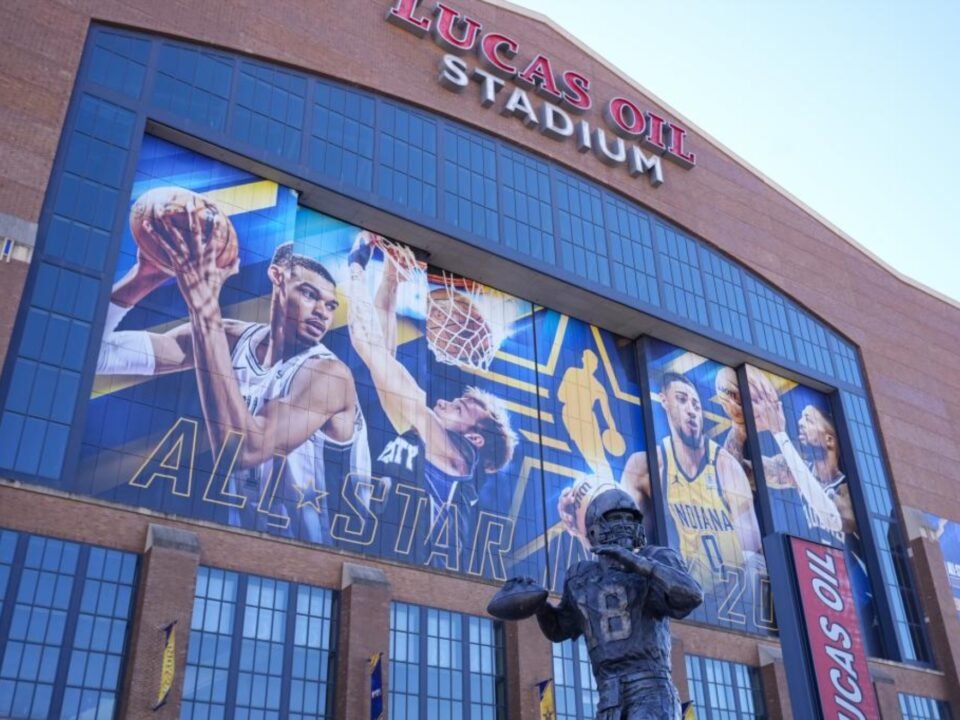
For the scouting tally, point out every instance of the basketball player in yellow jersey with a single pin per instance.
(705, 488)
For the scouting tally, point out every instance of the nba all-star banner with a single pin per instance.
(706, 479)
(268, 367)
(838, 653)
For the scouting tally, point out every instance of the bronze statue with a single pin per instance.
(622, 603)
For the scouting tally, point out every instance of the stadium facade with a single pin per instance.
(321, 320)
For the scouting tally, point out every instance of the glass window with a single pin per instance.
(259, 648)
(917, 707)
(462, 675)
(575, 688)
(65, 610)
(723, 690)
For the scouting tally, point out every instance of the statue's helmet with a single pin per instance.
(613, 518)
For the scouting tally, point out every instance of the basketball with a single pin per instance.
(614, 442)
(584, 491)
(457, 331)
(174, 204)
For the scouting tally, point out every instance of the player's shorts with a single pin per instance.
(638, 698)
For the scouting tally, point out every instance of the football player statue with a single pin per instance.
(622, 603)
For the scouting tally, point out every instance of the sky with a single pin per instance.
(852, 106)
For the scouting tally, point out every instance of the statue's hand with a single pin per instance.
(627, 559)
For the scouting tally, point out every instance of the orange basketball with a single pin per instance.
(457, 331)
(174, 204)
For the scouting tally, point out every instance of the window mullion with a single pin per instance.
(69, 631)
(230, 706)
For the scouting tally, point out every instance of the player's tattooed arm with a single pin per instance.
(736, 489)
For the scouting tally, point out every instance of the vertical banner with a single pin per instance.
(837, 650)
(590, 429)
(548, 705)
(168, 664)
(806, 481)
(688, 711)
(706, 479)
(376, 687)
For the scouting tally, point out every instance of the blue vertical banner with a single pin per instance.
(376, 687)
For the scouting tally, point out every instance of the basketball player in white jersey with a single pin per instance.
(290, 399)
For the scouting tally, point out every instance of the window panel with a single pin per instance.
(39, 657)
(273, 637)
(917, 707)
(575, 688)
(341, 142)
(722, 690)
(462, 673)
(680, 274)
(407, 147)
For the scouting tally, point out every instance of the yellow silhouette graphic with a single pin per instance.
(578, 393)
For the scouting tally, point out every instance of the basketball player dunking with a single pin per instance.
(445, 449)
(276, 384)
(706, 490)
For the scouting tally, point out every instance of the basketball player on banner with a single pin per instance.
(289, 398)
(708, 496)
(447, 449)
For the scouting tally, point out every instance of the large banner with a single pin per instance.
(268, 367)
(808, 489)
(706, 481)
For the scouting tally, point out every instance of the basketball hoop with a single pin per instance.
(403, 260)
(458, 329)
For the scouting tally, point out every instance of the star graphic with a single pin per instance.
(310, 495)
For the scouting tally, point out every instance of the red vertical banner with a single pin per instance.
(837, 649)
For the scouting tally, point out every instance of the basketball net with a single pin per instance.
(403, 259)
(466, 335)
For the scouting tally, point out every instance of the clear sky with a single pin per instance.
(853, 106)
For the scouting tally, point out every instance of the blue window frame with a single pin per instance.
(65, 611)
(724, 690)
(444, 664)
(575, 688)
(917, 707)
(259, 648)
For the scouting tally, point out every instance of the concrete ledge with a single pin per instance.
(170, 538)
(354, 574)
(19, 230)
(769, 654)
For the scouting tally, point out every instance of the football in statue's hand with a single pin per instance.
(519, 598)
